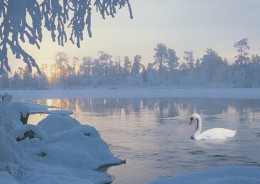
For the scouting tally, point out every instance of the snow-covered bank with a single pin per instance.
(246, 93)
(57, 150)
(221, 175)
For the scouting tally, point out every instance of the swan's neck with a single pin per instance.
(198, 129)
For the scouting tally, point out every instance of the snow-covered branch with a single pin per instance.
(23, 20)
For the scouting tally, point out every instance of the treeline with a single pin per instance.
(166, 70)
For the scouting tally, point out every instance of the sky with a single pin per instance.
(180, 24)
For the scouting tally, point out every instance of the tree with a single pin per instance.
(137, 66)
(23, 21)
(211, 63)
(136, 76)
(61, 66)
(189, 58)
(172, 59)
(242, 48)
(127, 65)
(44, 69)
(27, 78)
(160, 56)
(74, 65)
(86, 66)
(86, 69)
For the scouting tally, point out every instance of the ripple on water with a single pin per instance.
(197, 152)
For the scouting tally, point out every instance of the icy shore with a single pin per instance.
(221, 175)
(57, 150)
(246, 93)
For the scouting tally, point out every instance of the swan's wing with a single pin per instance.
(217, 133)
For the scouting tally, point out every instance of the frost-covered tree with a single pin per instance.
(160, 56)
(242, 48)
(254, 70)
(44, 69)
(105, 59)
(189, 58)
(75, 64)
(136, 77)
(22, 21)
(86, 66)
(211, 63)
(127, 65)
(172, 60)
(61, 67)
(98, 73)
(85, 70)
(27, 78)
(137, 66)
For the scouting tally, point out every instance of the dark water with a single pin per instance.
(153, 134)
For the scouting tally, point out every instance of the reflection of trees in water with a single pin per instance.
(245, 108)
(162, 107)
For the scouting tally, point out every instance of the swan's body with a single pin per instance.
(215, 133)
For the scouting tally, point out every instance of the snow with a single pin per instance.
(223, 175)
(246, 93)
(64, 151)
(52, 123)
(57, 150)
(7, 178)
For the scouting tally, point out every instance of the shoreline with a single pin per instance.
(237, 93)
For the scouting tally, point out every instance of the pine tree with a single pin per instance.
(242, 48)
(137, 65)
(160, 56)
(172, 60)
(127, 65)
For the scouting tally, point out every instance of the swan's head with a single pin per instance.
(193, 117)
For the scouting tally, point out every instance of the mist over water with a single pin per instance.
(153, 134)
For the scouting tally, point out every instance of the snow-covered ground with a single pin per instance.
(57, 150)
(221, 175)
(246, 93)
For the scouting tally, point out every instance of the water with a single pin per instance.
(153, 134)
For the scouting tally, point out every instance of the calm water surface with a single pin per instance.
(153, 134)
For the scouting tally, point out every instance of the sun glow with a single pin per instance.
(48, 74)
(49, 102)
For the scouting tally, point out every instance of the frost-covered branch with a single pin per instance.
(23, 20)
(15, 27)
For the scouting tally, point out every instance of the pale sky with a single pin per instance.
(180, 24)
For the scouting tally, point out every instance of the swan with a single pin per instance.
(215, 133)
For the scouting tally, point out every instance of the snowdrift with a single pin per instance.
(221, 175)
(57, 150)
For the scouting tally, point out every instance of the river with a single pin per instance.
(153, 134)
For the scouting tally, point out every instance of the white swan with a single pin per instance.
(215, 133)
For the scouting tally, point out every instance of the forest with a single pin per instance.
(166, 70)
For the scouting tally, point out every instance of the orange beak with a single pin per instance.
(191, 121)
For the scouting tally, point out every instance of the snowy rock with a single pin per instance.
(56, 123)
(57, 150)
(20, 133)
(17, 110)
(81, 146)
